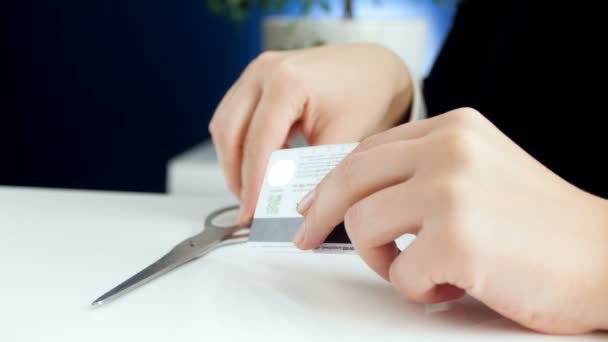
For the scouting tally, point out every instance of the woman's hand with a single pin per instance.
(332, 94)
(490, 221)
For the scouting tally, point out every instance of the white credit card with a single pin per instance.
(290, 175)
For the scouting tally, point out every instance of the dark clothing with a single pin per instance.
(536, 71)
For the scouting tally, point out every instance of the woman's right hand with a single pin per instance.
(331, 94)
(489, 220)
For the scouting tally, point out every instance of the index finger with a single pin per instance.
(356, 177)
(279, 108)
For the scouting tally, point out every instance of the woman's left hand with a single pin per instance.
(490, 221)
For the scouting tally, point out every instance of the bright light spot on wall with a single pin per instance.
(439, 16)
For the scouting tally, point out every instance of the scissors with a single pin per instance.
(221, 229)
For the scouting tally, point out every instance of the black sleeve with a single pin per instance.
(537, 71)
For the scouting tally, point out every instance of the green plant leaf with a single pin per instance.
(277, 5)
(325, 5)
(307, 6)
(318, 42)
(216, 7)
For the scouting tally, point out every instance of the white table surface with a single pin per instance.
(59, 250)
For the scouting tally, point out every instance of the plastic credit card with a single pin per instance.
(290, 175)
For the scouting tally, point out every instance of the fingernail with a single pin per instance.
(306, 202)
(299, 236)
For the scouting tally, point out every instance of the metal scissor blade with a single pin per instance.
(192, 248)
(165, 264)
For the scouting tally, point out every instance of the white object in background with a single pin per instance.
(59, 250)
(406, 37)
(196, 172)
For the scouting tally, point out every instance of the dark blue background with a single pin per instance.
(100, 94)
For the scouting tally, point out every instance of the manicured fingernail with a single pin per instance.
(306, 202)
(299, 236)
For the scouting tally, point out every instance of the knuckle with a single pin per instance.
(264, 59)
(213, 126)
(284, 74)
(219, 134)
(465, 116)
(460, 146)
